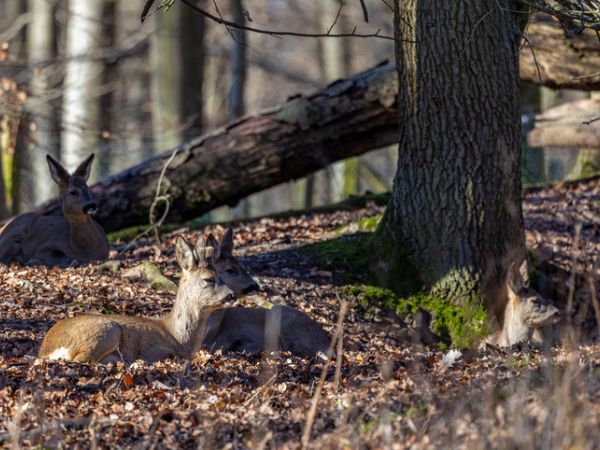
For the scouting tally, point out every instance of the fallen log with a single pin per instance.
(307, 133)
(550, 59)
(575, 124)
(348, 118)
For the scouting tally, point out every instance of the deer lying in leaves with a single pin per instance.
(526, 311)
(253, 330)
(58, 240)
(101, 338)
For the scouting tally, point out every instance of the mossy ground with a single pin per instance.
(348, 256)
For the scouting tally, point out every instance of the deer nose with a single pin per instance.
(90, 208)
(252, 288)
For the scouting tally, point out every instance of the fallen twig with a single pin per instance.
(317, 395)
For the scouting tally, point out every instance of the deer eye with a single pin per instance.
(232, 270)
(74, 193)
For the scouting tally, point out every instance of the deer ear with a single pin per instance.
(58, 172)
(84, 169)
(212, 242)
(184, 254)
(227, 242)
(514, 278)
(204, 253)
(524, 273)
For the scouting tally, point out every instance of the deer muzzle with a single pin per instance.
(90, 208)
(252, 288)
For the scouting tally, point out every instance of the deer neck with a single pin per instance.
(515, 329)
(83, 234)
(186, 324)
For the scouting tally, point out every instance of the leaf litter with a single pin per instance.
(392, 394)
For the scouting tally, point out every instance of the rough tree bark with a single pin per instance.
(454, 222)
(305, 134)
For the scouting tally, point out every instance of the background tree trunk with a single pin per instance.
(193, 30)
(454, 223)
(334, 62)
(237, 104)
(3, 204)
(167, 68)
(36, 184)
(13, 31)
(83, 78)
(131, 127)
(177, 76)
(237, 88)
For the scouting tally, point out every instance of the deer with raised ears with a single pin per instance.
(101, 338)
(526, 311)
(253, 330)
(58, 240)
(233, 273)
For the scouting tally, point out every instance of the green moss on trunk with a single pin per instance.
(464, 326)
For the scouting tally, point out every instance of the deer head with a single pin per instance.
(230, 270)
(526, 310)
(200, 287)
(75, 196)
(530, 307)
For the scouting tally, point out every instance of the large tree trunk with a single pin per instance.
(305, 134)
(454, 222)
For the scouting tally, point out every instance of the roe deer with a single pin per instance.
(253, 330)
(58, 240)
(229, 269)
(525, 312)
(101, 338)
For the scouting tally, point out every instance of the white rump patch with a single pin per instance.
(60, 353)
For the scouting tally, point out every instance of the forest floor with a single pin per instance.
(392, 393)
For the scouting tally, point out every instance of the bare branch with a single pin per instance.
(592, 120)
(364, 10)
(337, 16)
(146, 10)
(276, 33)
(585, 77)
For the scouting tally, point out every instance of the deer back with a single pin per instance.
(253, 330)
